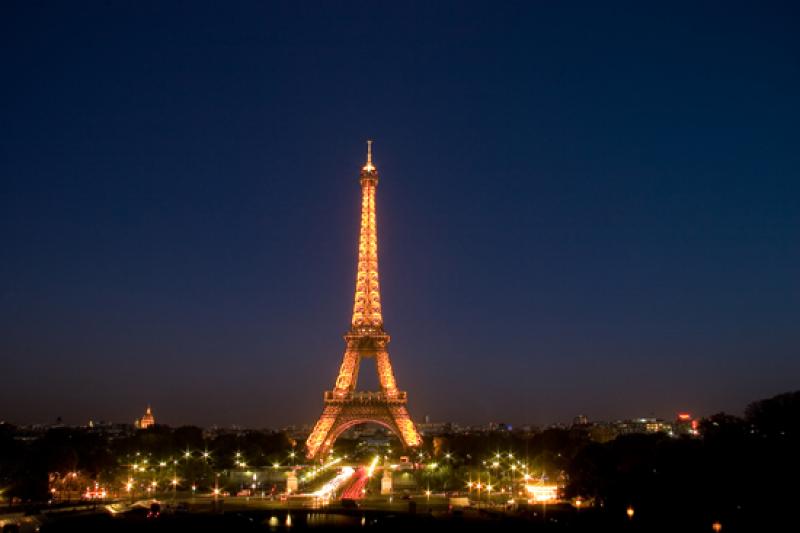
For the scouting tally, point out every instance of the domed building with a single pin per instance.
(147, 420)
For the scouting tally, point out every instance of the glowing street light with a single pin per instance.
(629, 512)
(716, 527)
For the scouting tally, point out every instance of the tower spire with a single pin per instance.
(367, 306)
(369, 167)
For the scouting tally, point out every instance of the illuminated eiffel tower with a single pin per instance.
(344, 406)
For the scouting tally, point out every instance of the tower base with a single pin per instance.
(344, 411)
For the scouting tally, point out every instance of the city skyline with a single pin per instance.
(424, 421)
(583, 211)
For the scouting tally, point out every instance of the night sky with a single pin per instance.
(582, 209)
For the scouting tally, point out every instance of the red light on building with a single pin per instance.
(684, 417)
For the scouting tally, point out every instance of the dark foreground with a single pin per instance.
(337, 519)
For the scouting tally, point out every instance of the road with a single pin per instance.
(357, 489)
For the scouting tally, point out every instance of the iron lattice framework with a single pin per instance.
(344, 406)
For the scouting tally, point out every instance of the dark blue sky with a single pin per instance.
(583, 208)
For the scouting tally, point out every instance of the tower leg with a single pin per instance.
(385, 374)
(405, 426)
(316, 442)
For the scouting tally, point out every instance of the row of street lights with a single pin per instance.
(143, 466)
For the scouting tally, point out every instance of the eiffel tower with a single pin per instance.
(346, 407)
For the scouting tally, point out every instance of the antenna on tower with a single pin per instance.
(369, 167)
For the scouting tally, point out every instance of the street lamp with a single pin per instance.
(629, 512)
(174, 479)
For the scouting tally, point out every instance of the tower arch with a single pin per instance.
(340, 429)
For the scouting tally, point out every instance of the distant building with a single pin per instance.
(108, 429)
(499, 426)
(430, 429)
(644, 425)
(580, 420)
(147, 420)
(658, 426)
